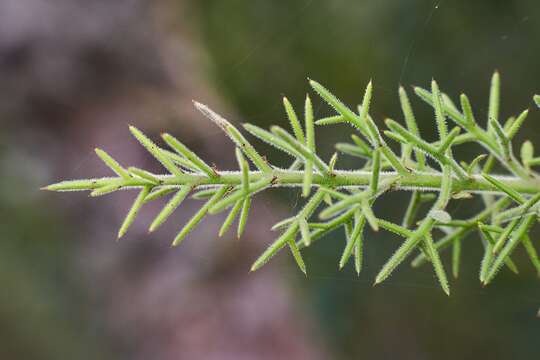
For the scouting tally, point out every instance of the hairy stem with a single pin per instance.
(339, 178)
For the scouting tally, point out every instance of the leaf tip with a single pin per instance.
(447, 291)
(254, 268)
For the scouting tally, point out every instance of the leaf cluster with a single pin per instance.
(343, 199)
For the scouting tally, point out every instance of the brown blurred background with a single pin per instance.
(74, 74)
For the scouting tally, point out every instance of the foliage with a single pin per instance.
(428, 170)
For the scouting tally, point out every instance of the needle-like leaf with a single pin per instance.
(113, 164)
(188, 154)
(155, 151)
(235, 136)
(293, 119)
(494, 97)
(132, 213)
(243, 216)
(310, 144)
(230, 218)
(412, 126)
(143, 174)
(168, 209)
(297, 256)
(199, 215)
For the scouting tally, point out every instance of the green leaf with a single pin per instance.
(536, 99)
(145, 175)
(354, 237)
(475, 163)
(467, 110)
(426, 147)
(362, 145)
(331, 120)
(112, 164)
(534, 162)
(243, 216)
(516, 196)
(352, 150)
(485, 229)
(395, 228)
(230, 218)
(439, 111)
(306, 153)
(502, 138)
(169, 208)
(283, 223)
(235, 136)
(293, 119)
(343, 110)
(394, 161)
(532, 253)
(297, 256)
(310, 144)
(364, 115)
(342, 205)
(405, 249)
(204, 194)
(106, 189)
(412, 210)
(437, 264)
(375, 172)
(244, 168)
(132, 213)
(332, 163)
(487, 259)
(179, 160)
(155, 151)
(464, 231)
(412, 126)
(449, 141)
(517, 235)
(510, 227)
(225, 202)
(456, 257)
(494, 97)
(159, 192)
(199, 215)
(176, 145)
(76, 185)
(456, 116)
(271, 139)
(275, 246)
(304, 230)
(516, 125)
(368, 213)
(358, 254)
(527, 152)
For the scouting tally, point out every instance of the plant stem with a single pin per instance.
(292, 178)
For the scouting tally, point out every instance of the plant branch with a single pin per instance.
(511, 200)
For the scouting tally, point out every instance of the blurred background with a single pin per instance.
(74, 74)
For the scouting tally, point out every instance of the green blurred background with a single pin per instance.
(72, 75)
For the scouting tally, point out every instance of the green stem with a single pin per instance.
(338, 178)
